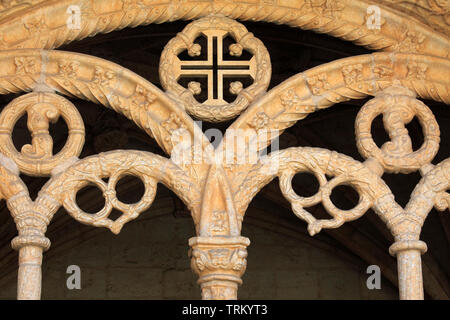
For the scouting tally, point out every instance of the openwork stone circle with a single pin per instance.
(215, 109)
(42, 108)
(398, 107)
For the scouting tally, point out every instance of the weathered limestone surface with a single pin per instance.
(414, 64)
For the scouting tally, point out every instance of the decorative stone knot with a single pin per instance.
(195, 50)
(236, 87)
(195, 87)
(235, 49)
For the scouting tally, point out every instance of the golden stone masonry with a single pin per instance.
(412, 62)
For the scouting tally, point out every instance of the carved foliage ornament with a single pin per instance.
(220, 262)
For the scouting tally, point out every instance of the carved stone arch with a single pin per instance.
(345, 19)
(395, 80)
(297, 97)
(102, 82)
(345, 79)
(70, 177)
(217, 192)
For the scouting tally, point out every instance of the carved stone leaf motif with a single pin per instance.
(36, 25)
(325, 8)
(412, 42)
(68, 68)
(216, 259)
(318, 83)
(383, 71)
(352, 74)
(417, 71)
(433, 186)
(218, 222)
(104, 77)
(260, 121)
(25, 65)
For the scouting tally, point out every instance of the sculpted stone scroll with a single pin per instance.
(33, 217)
(319, 162)
(42, 108)
(398, 106)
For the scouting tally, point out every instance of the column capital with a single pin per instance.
(220, 263)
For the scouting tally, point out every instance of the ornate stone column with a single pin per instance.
(399, 106)
(35, 159)
(30, 275)
(409, 266)
(220, 263)
(31, 242)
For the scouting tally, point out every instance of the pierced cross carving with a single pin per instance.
(215, 68)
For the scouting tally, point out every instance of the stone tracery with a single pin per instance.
(215, 194)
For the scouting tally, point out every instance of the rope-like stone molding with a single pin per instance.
(346, 79)
(345, 19)
(101, 82)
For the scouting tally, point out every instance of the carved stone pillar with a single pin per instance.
(30, 275)
(409, 266)
(220, 263)
(31, 242)
(30, 261)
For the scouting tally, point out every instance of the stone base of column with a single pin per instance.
(220, 263)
